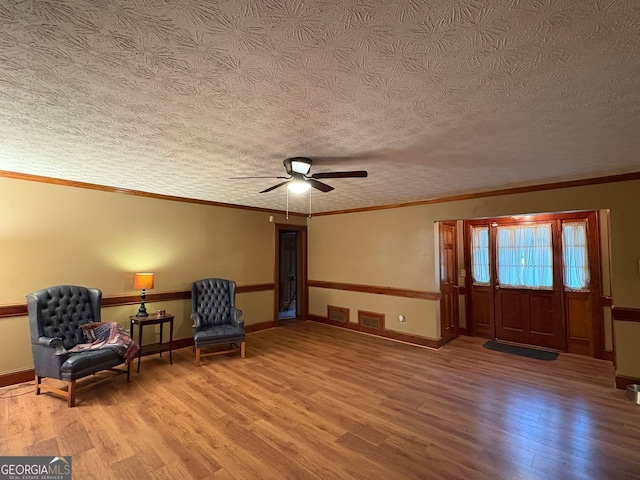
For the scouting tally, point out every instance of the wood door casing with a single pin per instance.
(448, 282)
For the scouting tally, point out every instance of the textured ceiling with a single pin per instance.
(433, 98)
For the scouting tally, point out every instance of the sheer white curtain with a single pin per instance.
(480, 254)
(525, 256)
(576, 258)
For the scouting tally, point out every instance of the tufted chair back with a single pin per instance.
(60, 311)
(212, 299)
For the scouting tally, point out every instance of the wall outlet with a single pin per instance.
(402, 319)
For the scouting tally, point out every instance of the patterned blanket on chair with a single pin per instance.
(108, 335)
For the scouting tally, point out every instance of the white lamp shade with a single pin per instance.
(298, 186)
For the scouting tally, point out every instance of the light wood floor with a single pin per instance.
(312, 401)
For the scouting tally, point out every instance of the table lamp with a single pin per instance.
(143, 281)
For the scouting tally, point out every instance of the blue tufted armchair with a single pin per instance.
(56, 315)
(216, 320)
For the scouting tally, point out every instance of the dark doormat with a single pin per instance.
(522, 351)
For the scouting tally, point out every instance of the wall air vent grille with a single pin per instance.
(338, 314)
(371, 320)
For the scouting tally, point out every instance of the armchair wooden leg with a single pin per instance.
(197, 356)
(71, 394)
(38, 380)
(242, 349)
(129, 372)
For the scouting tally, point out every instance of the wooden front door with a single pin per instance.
(448, 282)
(530, 314)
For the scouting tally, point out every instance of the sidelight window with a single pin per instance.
(480, 254)
(525, 256)
(576, 259)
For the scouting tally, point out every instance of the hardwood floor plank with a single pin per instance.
(313, 401)
(331, 453)
(288, 445)
(90, 464)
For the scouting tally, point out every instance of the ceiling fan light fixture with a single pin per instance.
(300, 165)
(298, 186)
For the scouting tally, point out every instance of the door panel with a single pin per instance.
(542, 320)
(480, 316)
(448, 287)
(528, 316)
(579, 325)
(511, 316)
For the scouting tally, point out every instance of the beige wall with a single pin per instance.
(398, 248)
(51, 235)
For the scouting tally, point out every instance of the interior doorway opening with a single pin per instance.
(288, 275)
(290, 272)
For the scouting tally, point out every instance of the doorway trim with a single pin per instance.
(304, 285)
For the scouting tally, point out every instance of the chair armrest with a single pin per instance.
(55, 342)
(195, 318)
(236, 313)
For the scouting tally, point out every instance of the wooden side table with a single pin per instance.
(158, 347)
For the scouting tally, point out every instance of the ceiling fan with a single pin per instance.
(300, 181)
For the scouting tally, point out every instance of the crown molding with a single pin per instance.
(138, 193)
(625, 177)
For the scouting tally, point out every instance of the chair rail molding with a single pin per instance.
(392, 291)
(20, 309)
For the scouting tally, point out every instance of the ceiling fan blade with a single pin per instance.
(323, 187)
(274, 187)
(352, 174)
(239, 178)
